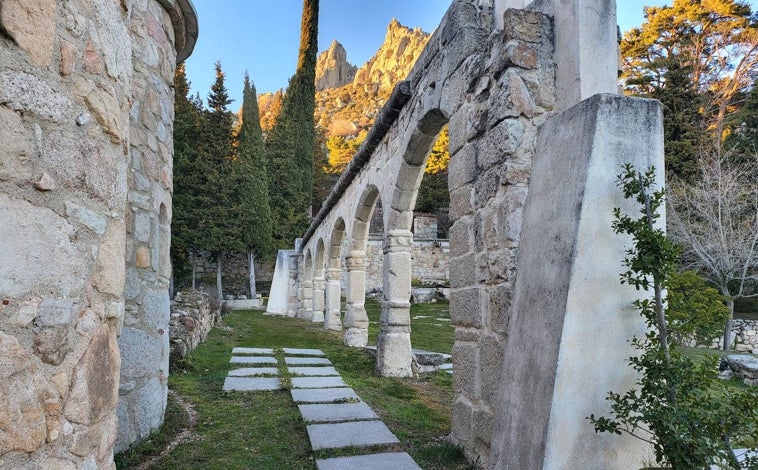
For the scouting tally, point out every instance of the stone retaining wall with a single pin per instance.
(744, 337)
(193, 314)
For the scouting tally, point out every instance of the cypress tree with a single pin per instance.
(187, 121)
(290, 143)
(254, 213)
(216, 200)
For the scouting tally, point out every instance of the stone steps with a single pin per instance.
(335, 416)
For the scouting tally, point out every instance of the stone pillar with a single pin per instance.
(306, 300)
(393, 349)
(332, 320)
(294, 291)
(318, 298)
(356, 320)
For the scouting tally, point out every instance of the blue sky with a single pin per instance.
(262, 36)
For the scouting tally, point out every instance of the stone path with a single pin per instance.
(334, 414)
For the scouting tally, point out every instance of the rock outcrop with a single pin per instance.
(350, 108)
(394, 59)
(332, 68)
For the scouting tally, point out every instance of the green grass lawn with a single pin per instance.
(264, 430)
(431, 329)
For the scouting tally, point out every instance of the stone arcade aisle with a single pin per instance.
(334, 414)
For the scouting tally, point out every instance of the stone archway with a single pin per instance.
(393, 351)
(333, 291)
(356, 319)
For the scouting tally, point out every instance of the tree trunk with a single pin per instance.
(728, 328)
(192, 260)
(171, 286)
(251, 271)
(219, 287)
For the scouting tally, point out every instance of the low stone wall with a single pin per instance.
(235, 275)
(744, 337)
(430, 262)
(193, 314)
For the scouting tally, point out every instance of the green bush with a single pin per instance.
(695, 311)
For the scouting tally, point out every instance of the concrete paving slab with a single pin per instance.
(252, 360)
(324, 395)
(354, 434)
(251, 371)
(317, 382)
(313, 371)
(252, 351)
(393, 460)
(446, 366)
(336, 412)
(304, 352)
(296, 361)
(250, 384)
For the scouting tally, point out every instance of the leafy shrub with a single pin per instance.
(696, 312)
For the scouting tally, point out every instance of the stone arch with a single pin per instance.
(394, 355)
(333, 288)
(306, 287)
(318, 282)
(356, 319)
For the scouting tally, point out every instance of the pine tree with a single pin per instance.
(290, 144)
(254, 224)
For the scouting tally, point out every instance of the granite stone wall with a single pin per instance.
(70, 75)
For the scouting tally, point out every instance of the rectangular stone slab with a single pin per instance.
(336, 412)
(317, 382)
(252, 351)
(355, 434)
(304, 352)
(296, 361)
(250, 371)
(313, 371)
(324, 395)
(252, 360)
(250, 384)
(390, 460)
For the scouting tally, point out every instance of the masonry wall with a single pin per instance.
(71, 74)
(144, 341)
(429, 263)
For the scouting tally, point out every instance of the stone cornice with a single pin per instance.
(184, 20)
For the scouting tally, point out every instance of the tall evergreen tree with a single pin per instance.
(187, 123)
(216, 200)
(290, 143)
(253, 210)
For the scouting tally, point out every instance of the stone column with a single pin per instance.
(356, 320)
(294, 291)
(393, 349)
(318, 299)
(332, 320)
(306, 300)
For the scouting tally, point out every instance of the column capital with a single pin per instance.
(397, 240)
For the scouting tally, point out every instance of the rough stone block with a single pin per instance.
(466, 308)
(462, 168)
(392, 460)
(294, 361)
(313, 371)
(523, 25)
(324, 395)
(252, 371)
(317, 382)
(463, 271)
(336, 412)
(466, 365)
(355, 434)
(250, 384)
(461, 237)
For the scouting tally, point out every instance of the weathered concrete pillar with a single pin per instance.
(306, 300)
(568, 299)
(356, 320)
(393, 352)
(318, 298)
(332, 320)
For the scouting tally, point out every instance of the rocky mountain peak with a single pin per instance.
(394, 59)
(332, 68)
